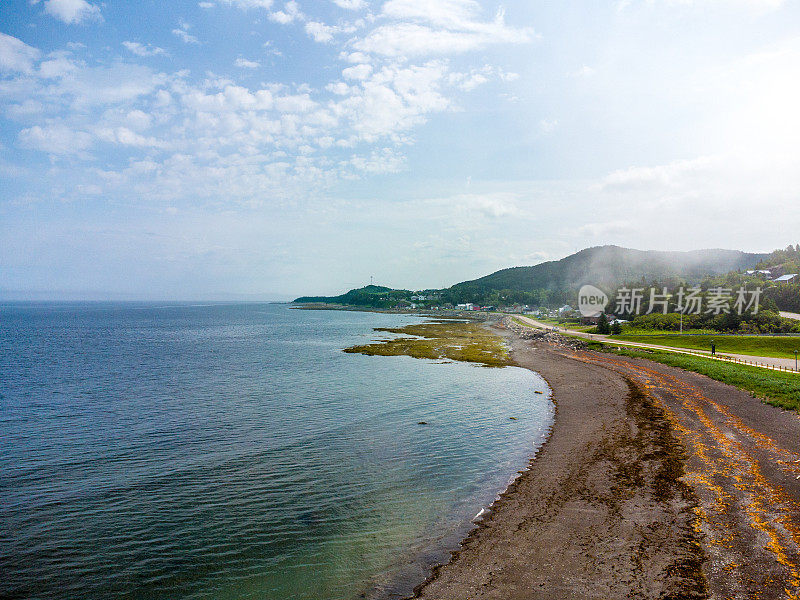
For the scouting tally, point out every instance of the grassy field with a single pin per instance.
(773, 387)
(468, 342)
(776, 347)
(630, 330)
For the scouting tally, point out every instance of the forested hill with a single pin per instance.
(371, 295)
(610, 265)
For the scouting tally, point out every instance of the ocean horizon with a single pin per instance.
(232, 450)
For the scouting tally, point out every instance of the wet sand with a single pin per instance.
(655, 483)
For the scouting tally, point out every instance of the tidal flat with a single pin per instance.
(453, 340)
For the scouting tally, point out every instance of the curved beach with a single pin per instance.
(655, 483)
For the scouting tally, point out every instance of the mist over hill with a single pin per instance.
(612, 265)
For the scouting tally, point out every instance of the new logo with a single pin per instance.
(591, 301)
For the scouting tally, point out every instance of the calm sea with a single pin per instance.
(234, 451)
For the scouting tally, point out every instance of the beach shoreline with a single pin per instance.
(584, 480)
(654, 483)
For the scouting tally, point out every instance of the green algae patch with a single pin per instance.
(467, 342)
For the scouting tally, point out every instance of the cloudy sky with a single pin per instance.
(267, 149)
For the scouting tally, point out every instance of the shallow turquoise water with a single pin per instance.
(233, 451)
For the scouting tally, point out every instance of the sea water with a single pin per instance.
(170, 451)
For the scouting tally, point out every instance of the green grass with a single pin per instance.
(628, 329)
(775, 347)
(773, 387)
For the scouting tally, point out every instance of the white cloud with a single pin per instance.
(16, 55)
(240, 4)
(506, 76)
(340, 88)
(394, 99)
(358, 72)
(243, 63)
(759, 6)
(411, 39)
(290, 13)
(437, 27)
(671, 175)
(320, 32)
(243, 4)
(25, 109)
(138, 120)
(354, 57)
(143, 49)
(386, 160)
(449, 14)
(55, 139)
(126, 137)
(184, 35)
(72, 11)
(470, 81)
(548, 125)
(116, 84)
(350, 4)
(233, 141)
(56, 66)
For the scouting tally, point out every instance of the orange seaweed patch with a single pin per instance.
(722, 458)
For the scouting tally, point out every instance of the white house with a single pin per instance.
(786, 278)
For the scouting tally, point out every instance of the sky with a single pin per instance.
(263, 149)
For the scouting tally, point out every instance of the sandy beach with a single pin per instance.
(655, 483)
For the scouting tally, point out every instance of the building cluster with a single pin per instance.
(769, 275)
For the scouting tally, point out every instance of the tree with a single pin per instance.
(602, 325)
(616, 328)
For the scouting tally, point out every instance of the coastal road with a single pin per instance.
(766, 361)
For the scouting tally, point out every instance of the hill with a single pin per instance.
(557, 281)
(370, 295)
(611, 265)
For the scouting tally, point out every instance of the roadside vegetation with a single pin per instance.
(773, 387)
(573, 324)
(467, 342)
(772, 346)
(767, 320)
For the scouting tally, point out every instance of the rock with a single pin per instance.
(546, 335)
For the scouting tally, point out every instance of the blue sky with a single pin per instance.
(267, 149)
